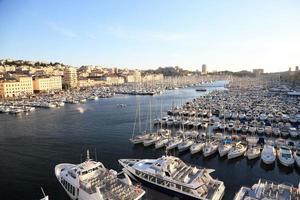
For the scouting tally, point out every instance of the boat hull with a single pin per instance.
(167, 190)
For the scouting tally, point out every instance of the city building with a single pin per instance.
(70, 77)
(297, 68)
(204, 69)
(47, 83)
(132, 76)
(258, 72)
(152, 77)
(16, 86)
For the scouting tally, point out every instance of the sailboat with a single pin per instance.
(237, 150)
(46, 197)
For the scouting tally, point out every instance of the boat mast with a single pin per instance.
(87, 154)
(150, 112)
(134, 125)
(139, 112)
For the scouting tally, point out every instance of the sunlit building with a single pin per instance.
(204, 69)
(16, 86)
(258, 72)
(47, 83)
(70, 77)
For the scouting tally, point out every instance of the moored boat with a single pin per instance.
(172, 175)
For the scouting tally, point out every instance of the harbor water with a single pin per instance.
(31, 145)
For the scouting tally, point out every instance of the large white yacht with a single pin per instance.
(268, 154)
(267, 190)
(285, 156)
(90, 180)
(173, 176)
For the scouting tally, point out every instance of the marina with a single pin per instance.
(149, 100)
(99, 127)
(58, 99)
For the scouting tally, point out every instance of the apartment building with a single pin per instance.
(70, 77)
(16, 86)
(47, 83)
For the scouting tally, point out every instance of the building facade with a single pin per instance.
(16, 86)
(152, 77)
(258, 72)
(70, 77)
(47, 83)
(204, 69)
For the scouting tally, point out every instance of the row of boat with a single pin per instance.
(92, 180)
(254, 127)
(252, 147)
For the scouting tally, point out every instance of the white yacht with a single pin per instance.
(268, 154)
(90, 180)
(173, 176)
(267, 190)
(210, 148)
(236, 151)
(285, 156)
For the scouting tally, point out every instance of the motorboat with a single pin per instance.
(172, 175)
(268, 190)
(297, 157)
(293, 132)
(236, 151)
(91, 180)
(268, 130)
(285, 156)
(230, 126)
(268, 154)
(252, 152)
(276, 131)
(280, 142)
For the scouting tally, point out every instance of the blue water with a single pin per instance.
(31, 145)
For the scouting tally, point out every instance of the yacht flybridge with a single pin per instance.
(90, 180)
(173, 176)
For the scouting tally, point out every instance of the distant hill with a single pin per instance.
(169, 71)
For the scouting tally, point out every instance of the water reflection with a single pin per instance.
(267, 167)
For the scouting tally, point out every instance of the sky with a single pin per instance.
(225, 35)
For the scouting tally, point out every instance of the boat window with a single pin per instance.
(84, 172)
(178, 186)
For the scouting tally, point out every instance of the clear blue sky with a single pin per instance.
(224, 34)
